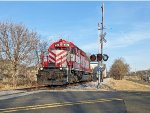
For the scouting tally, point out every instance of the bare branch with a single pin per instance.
(17, 42)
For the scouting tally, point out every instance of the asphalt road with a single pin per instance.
(78, 102)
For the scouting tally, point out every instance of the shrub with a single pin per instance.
(119, 69)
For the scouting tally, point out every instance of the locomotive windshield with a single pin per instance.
(62, 48)
(65, 48)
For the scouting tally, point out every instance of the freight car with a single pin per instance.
(64, 63)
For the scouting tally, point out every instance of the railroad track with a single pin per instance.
(52, 87)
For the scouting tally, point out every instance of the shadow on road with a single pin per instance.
(131, 102)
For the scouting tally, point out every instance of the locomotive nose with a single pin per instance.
(58, 57)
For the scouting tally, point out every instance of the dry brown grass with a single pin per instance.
(10, 87)
(126, 85)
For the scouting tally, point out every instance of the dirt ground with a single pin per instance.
(10, 87)
(126, 85)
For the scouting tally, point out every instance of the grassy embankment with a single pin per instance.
(127, 85)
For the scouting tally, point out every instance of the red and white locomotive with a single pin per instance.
(64, 63)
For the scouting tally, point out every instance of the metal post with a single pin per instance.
(98, 52)
(69, 67)
(100, 37)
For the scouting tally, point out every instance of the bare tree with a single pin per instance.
(119, 69)
(0, 51)
(17, 44)
(41, 48)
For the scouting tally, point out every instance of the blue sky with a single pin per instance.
(127, 23)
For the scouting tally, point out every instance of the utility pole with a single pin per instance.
(100, 41)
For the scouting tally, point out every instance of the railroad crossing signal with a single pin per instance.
(93, 57)
(102, 38)
(105, 57)
(99, 57)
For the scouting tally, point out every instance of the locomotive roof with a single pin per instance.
(67, 42)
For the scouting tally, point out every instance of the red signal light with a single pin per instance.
(93, 57)
(99, 57)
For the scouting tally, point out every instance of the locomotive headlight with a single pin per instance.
(60, 68)
(41, 68)
(67, 45)
(56, 45)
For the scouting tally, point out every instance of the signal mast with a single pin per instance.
(100, 57)
(101, 36)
